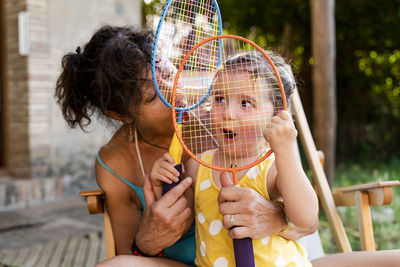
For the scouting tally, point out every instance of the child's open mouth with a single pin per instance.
(230, 135)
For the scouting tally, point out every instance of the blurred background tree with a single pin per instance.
(368, 63)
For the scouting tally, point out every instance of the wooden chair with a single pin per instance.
(361, 196)
(95, 202)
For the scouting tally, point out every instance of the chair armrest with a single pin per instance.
(94, 200)
(379, 193)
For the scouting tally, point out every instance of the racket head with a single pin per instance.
(246, 92)
(183, 24)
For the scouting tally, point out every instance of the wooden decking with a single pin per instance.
(79, 251)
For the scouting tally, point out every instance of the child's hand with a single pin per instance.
(280, 132)
(163, 171)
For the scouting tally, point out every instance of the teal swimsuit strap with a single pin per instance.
(138, 189)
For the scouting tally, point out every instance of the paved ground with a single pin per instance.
(47, 224)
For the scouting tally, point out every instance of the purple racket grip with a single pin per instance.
(244, 255)
(167, 187)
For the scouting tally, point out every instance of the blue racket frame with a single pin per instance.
(154, 52)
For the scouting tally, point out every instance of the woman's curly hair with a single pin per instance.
(106, 76)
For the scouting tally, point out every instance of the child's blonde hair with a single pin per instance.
(260, 68)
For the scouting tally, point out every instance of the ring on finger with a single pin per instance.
(232, 222)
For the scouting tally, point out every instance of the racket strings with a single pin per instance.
(185, 24)
(245, 95)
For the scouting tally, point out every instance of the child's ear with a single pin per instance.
(115, 116)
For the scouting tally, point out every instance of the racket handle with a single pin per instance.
(167, 187)
(244, 255)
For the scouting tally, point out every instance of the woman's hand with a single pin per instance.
(253, 215)
(164, 221)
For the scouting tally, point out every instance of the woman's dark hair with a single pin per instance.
(106, 76)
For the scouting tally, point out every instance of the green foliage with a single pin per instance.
(368, 79)
(266, 22)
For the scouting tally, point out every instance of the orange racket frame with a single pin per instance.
(234, 170)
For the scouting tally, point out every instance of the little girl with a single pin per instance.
(236, 117)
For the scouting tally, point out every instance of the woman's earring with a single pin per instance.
(130, 136)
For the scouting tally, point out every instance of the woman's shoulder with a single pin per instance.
(114, 154)
(116, 173)
(119, 160)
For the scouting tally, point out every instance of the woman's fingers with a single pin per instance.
(172, 196)
(233, 207)
(225, 179)
(236, 220)
(173, 214)
(235, 199)
(230, 193)
(184, 215)
(179, 206)
(239, 232)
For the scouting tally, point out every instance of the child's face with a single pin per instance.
(240, 111)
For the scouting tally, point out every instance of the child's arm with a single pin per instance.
(291, 183)
(163, 171)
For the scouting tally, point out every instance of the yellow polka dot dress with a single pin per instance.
(213, 245)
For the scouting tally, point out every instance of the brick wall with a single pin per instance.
(17, 97)
(28, 92)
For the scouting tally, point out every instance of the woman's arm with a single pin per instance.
(121, 203)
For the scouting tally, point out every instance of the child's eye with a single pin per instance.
(247, 104)
(219, 99)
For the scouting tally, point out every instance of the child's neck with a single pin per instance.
(220, 159)
(227, 160)
(223, 160)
